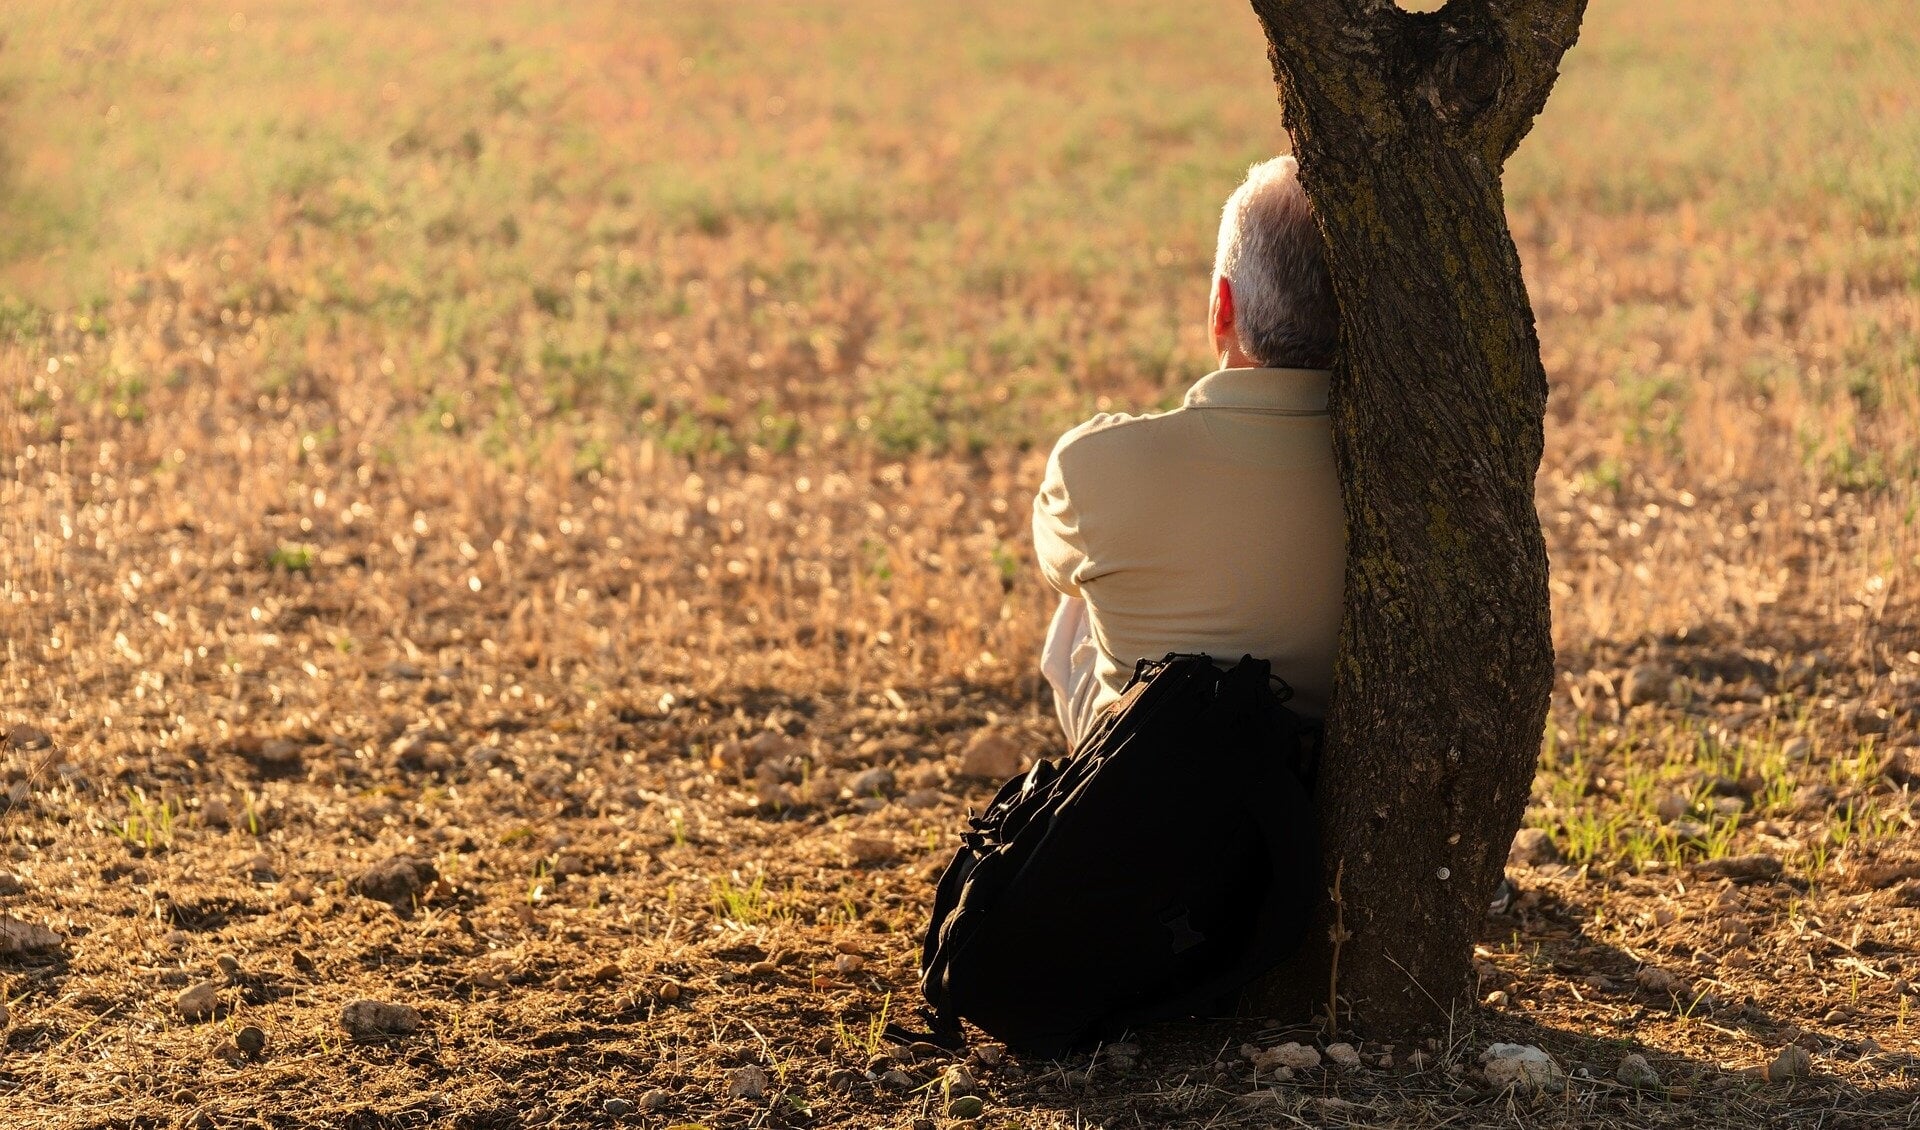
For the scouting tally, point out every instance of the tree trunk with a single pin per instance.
(1401, 123)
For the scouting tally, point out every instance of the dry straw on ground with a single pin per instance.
(518, 516)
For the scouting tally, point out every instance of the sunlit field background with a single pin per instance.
(570, 445)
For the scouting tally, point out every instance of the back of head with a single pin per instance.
(1271, 252)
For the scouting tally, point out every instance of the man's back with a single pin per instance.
(1213, 528)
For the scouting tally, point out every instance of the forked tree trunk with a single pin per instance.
(1401, 123)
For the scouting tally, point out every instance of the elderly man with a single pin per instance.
(1216, 527)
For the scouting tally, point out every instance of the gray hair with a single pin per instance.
(1271, 252)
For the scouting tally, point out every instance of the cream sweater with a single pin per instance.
(1213, 528)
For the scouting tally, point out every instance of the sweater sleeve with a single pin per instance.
(1058, 541)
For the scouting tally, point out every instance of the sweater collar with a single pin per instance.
(1271, 390)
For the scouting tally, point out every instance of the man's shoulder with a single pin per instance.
(1111, 433)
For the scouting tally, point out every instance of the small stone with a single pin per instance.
(1812, 797)
(1343, 1055)
(654, 1100)
(198, 1002)
(1885, 875)
(25, 737)
(5, 1015)
(865, 851)
(877, 781)
(278, 752)
(10, 885)
(617, 1108)
(844, 1081)
(1417, 1060)
(1656, 980)
(369, 1019)
(957, 1080)
(1645, 683)
(1497, 999)
(966, 1108)
(923, 799)
(990, 1055)
(848, 963)
(1671, 806)
(227, 965)
(1836, 1016)
(251, 1040)
(763, 969)
(1634, 1071)
(1901, 768)
(1751, 868)
(899, 1080)
(749, 1082)
(1793, 1062)
(1866, 719)
(1796, 749)
(302, 963)
(216, 812)
(1264, 1102)
(744, 757)
(397, 880)
(1293, 1056)
(1688, 831)
(19, 939)
(993, 755)
(668, 991)
(1533, 847)
(1520, 1067)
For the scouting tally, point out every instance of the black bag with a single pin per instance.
(1151, 875)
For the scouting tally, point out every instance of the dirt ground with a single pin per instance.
(518, 513)
(625, 887)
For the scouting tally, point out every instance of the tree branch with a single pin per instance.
(1326, 55)
(1317, 24)
(1534, 35)
(1478, 70)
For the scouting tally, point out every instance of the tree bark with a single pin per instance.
(1401, 123)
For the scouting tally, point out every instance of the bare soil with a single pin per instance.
(626, 877)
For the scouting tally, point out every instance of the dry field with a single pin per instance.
(582, 453)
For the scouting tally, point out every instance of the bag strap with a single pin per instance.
(942, 1032)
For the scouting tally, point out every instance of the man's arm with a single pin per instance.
(1057, 539)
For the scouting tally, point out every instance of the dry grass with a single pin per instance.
(443, 434)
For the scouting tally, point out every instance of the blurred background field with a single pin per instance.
(610, 381)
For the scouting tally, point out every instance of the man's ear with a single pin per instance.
(1222, 311)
